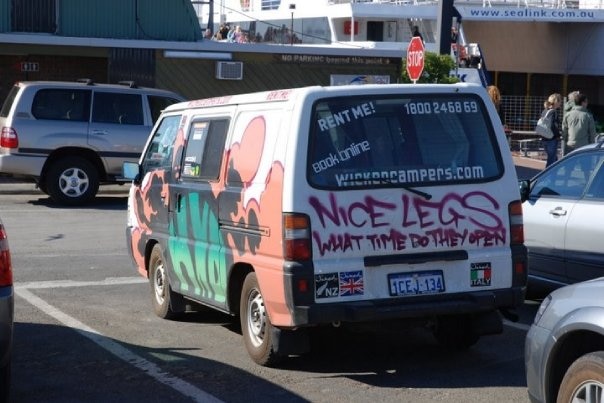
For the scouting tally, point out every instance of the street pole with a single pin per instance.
(292, 7)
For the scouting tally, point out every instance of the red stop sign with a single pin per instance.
(415, 58)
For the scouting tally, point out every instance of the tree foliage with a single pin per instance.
(437, 69)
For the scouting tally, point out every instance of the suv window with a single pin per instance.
(158, 103)
(125, 109)
(205, 149)
(61, 104)
(416, 139)
(8, 102)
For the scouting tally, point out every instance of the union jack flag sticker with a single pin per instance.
(351, 283)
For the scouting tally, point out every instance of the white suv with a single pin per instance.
(69, 137)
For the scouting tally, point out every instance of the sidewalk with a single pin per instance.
(9, 186)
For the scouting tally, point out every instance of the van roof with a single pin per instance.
(286, 95)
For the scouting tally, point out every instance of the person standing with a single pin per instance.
(570, 102)
(417, 33)
(495, 96)
(578, 126)
(553, 103)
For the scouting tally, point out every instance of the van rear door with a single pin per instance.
(409, 195)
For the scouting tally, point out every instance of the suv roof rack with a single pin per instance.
(87, 81)
(130, 84)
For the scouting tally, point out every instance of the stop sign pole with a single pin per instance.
(415, 58)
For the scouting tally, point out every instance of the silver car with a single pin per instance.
(563, 213)
(564, 349)
(69, 137)
(6, 314)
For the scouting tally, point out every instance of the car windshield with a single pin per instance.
(411, 140)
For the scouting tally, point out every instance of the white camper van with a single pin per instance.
(317, 206)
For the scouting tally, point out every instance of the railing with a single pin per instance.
(582, 4)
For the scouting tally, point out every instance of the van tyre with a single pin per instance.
(455, 332)
(162, 295)
(583, 379)
(72, 181)
(255, 324)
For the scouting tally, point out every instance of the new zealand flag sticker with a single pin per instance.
(326, 285)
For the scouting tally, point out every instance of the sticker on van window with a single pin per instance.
(353, 150)
(351, 283)
(346, 116)
(368, 178)
(435, 107)
(327, 285)
(480, 274)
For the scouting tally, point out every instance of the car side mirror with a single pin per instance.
(525, 189)
(132, 171)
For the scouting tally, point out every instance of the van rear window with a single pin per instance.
(430, 139)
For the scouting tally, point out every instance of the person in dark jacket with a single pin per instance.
(554, 102)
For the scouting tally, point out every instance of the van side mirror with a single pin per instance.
(132, 171)
(525, 189)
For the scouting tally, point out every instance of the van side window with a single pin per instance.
(124, 109)
(160, 151)
(205, 149)
(61, 104)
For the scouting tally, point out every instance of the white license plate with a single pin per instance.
(417, 283)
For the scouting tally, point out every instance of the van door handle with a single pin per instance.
(558, 212)
(100, 132)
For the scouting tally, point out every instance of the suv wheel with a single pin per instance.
(72, 181)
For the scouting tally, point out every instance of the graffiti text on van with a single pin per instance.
(455, 220)
(370, 178)
(332, 159)
(346, 116)
(394, 240)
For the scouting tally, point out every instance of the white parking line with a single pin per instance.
(71, 283)
(115, 348)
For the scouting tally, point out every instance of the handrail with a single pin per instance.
(582, 4)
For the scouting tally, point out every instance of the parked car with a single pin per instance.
(563, 213)
(6, 315)
(70, 137)
(564, 350)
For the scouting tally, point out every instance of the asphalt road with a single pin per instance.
(85, 331)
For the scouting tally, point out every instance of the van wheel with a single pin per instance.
(162, 295)
(584, 380)
(255, 324)
(455, 332)
(72, 181)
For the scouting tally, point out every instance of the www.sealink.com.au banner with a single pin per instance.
(477, 13)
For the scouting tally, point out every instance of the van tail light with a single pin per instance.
(9, 138)
(519, 263)
(296, 237)
(516, 223)
(6, 269)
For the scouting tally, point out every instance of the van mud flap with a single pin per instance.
(290, 342)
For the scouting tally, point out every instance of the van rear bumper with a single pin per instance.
(409, 307)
